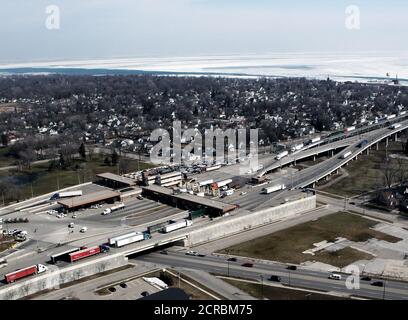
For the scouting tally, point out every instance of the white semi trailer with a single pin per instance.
(275, 188)
(177, 225)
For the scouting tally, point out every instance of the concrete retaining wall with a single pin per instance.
(235, 224)
(55, 277)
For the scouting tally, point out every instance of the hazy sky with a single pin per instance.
(129, 28)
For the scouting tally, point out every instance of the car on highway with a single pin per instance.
(191, 253)
(83, 229)
(140, 197)
(164, 252)
(335, 276)
(71, 225)
(123, 285)
(275, 278)
(233, 259)
(293, 268)
(365, 278)
(243, 193)
(377, 284)
(112, 289)
(144, 294)
(247, 264)
(74, 216)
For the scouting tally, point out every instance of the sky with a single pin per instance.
(99, 29)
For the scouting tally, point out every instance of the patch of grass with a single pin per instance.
(274, 293)
(366, 173)
(343, 257)
(6, 242)
(287, 245)
(40, 180)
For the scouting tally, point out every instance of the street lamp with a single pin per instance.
(262, 291)
(385, 282)
(228, 261)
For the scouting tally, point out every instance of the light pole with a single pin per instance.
(262, 291)
(228, 261)
(385, 283)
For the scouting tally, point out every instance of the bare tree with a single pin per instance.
(389, 173)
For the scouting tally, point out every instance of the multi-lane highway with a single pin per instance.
(302, 278)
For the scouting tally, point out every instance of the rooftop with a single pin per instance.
(116, 178)
(88, 198)
(225, 207)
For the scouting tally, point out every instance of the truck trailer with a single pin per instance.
(281, 155)
(113, 240)
(114, 208)
(269, 190)
(22, 273)
(67, 194)
(87, 252)
(136, 238)
(346, 155)
(177, 225)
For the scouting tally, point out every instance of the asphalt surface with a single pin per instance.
(301, 278)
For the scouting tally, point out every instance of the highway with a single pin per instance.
(317, 172)
(301, 278)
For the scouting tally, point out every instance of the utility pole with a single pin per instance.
(262, 291)
(228, 261)
(385, 283)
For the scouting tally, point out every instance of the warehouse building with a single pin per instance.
(87, 200)
(115, 181)
(187, 201)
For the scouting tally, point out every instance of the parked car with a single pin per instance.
(275, 278)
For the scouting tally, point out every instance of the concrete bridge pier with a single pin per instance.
(314, 158)
(386, 142)
(396, 137)
(368, 151)
(377, 146)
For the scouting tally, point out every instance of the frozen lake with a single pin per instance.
(339, 66)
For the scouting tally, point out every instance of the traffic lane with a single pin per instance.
(281, 267)
(371, 291)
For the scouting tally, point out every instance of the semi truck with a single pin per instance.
(113, 240)
(114, 208)
(62, 256)
(281, 155)
(67, 194)
(395, 126)
(269, 190)
(177, 225)
(314, 140)
(212, 168)
(87, 252)
(346, 155)
(297, 147)
(22, 273)
(349, 129)
(132, 239)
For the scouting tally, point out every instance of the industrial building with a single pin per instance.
(187, 201)
(169, 179)
(89, 199)
(115, 181)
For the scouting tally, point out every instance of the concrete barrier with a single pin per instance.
(55, 277)
(235, 224)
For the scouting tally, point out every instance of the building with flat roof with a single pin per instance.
(115, 181)
(89, 199)
(186, 200)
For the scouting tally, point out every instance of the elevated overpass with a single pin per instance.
(311, 175)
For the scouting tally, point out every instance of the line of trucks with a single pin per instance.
(76, 254)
